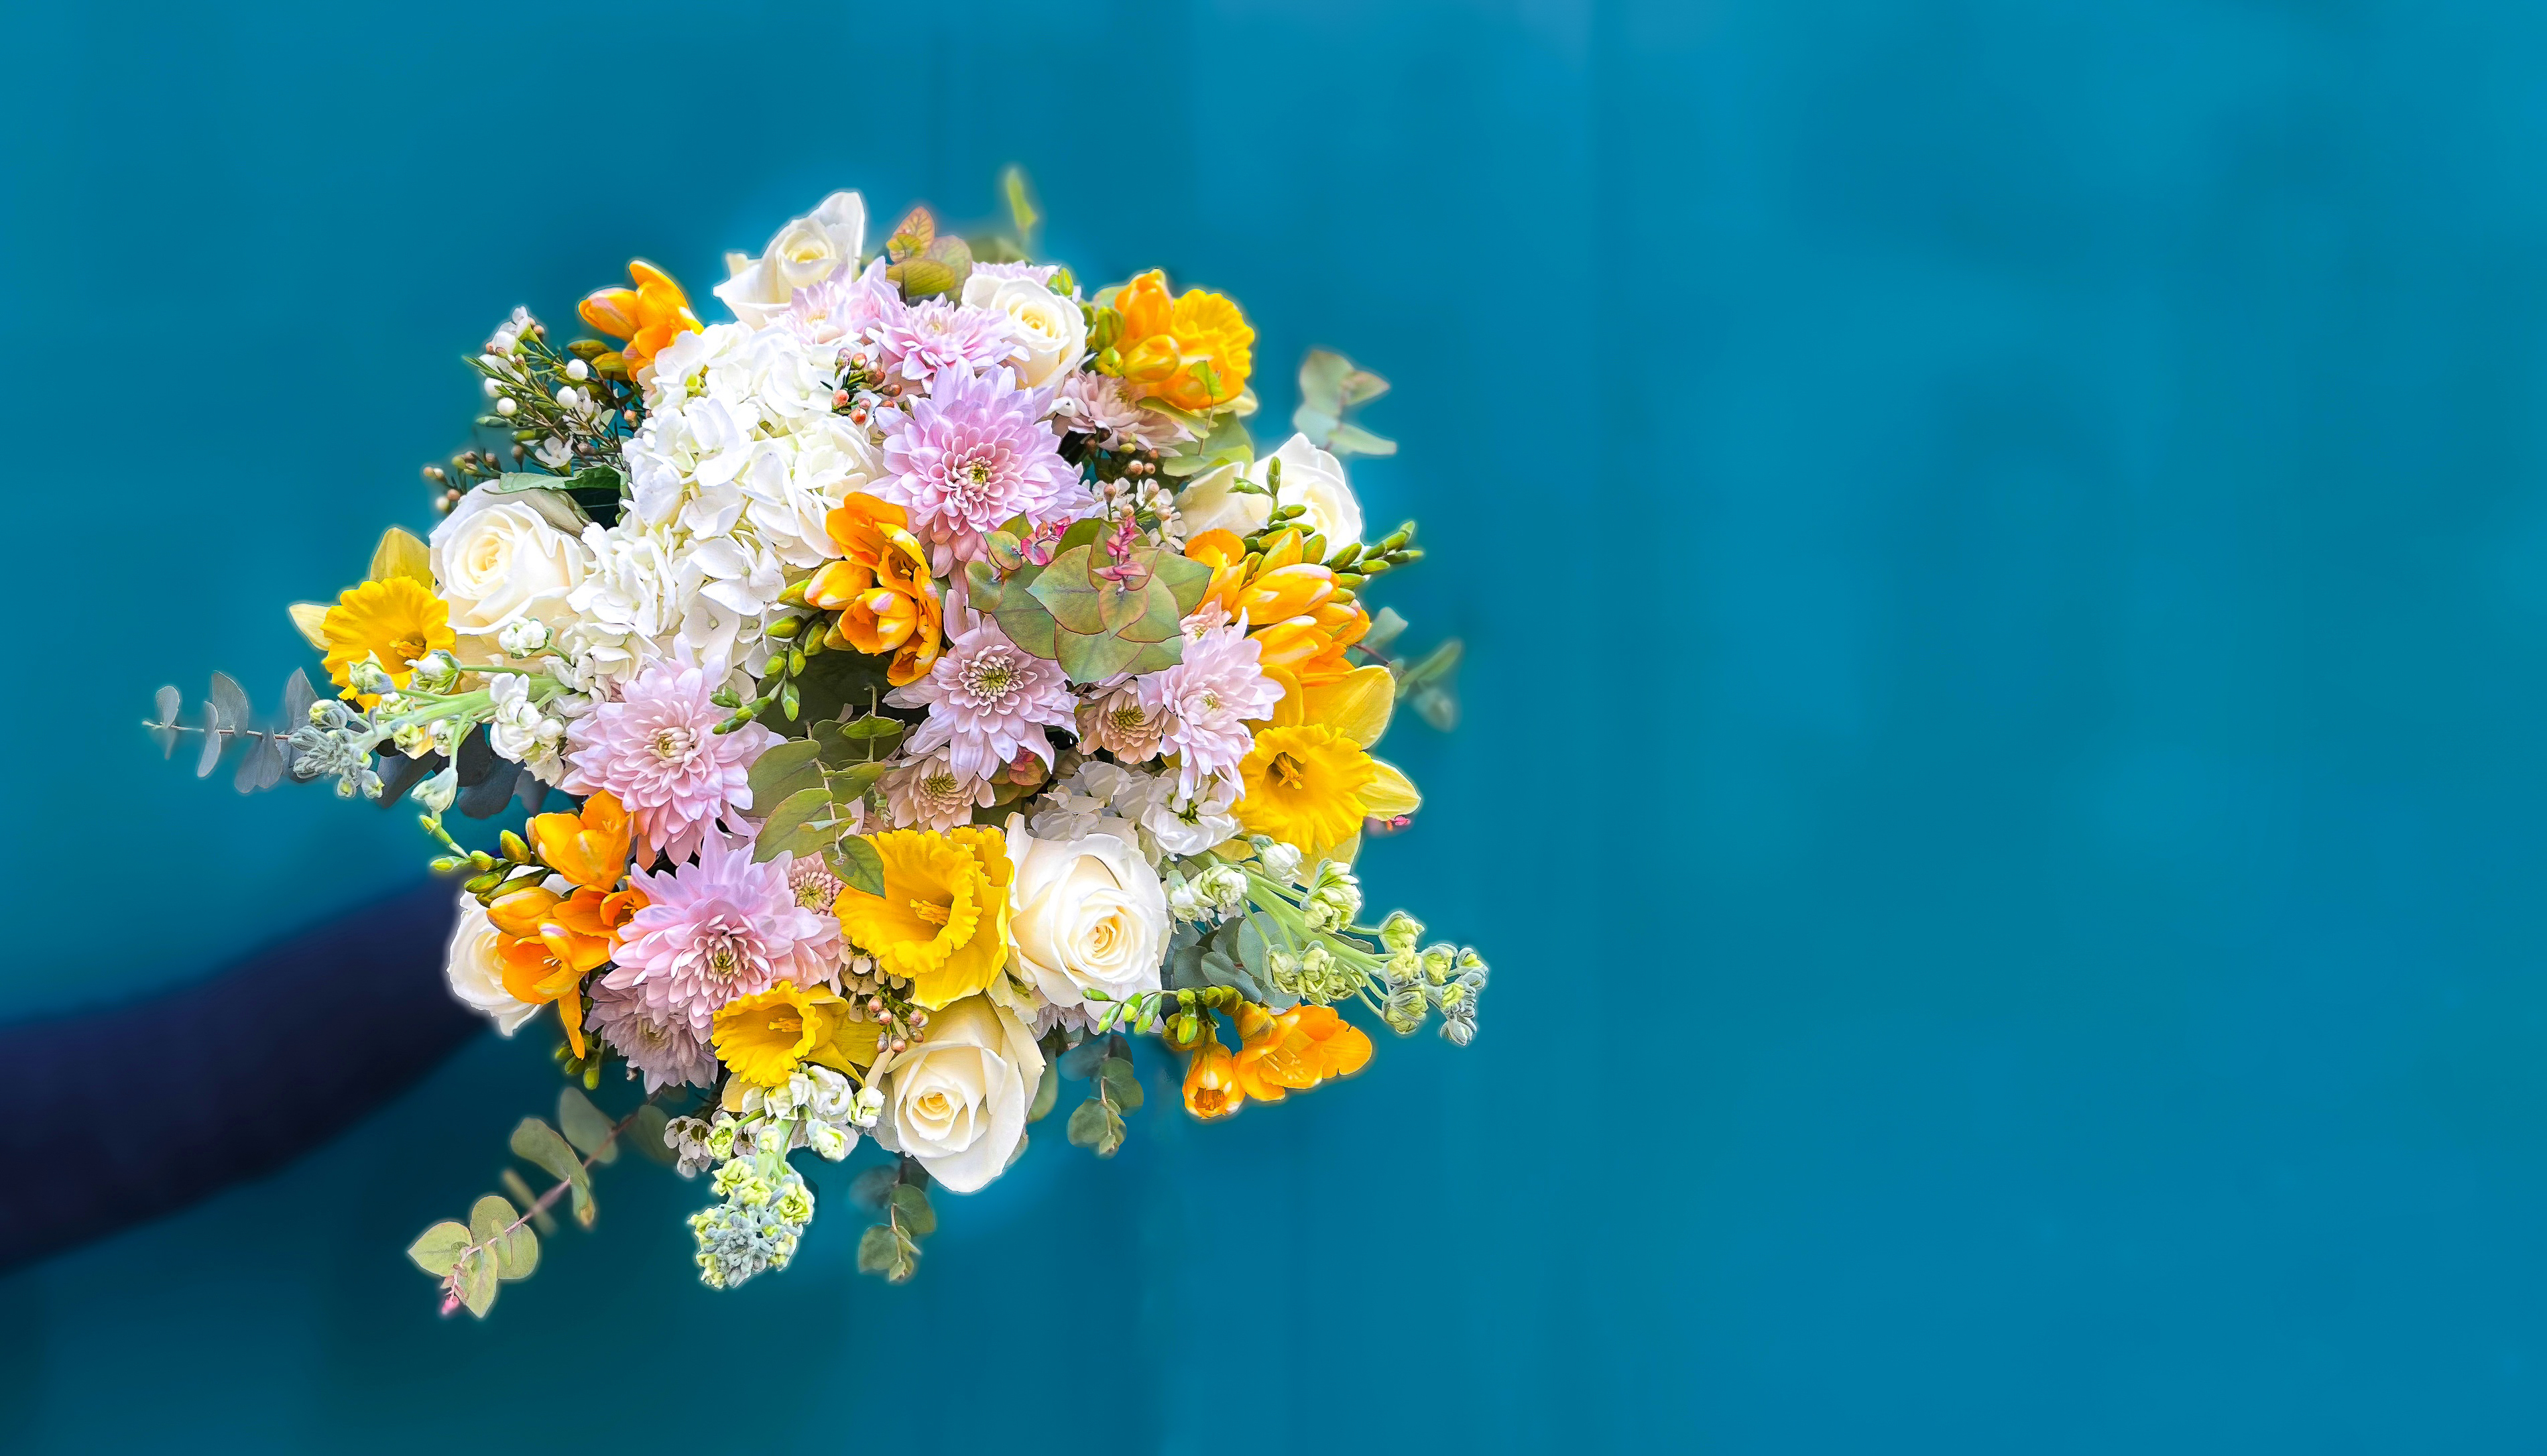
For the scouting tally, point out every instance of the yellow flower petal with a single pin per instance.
(401, 555)
(1390, 792)
(1356, 706)
(306, 617)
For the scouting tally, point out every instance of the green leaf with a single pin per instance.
(1029, 626)
(1159, 617)
(1435, 668)
(1354, 440)
(831, 681)
(1096, 1126)
(585, 1126)
(856, 864)
(491, 1222)
(1070, 594)
(848, 785)
(546, 494)
(786, 768)
(802, 822)
(1094, 659)
(1080, 1062)
(872, 1186)
(477, 1274)
(1122, 1083)
(910, 1206)
(868, 740)
(912, 235)
(1158, 656)
(522, 1194)
(1385, 629)
(1081, 533)
(1186, 578)
(1047, 1093)
(438, 1248)
(539, 1144)
(983, 587)
(1436, 706)
(882, 1250)
(646, 1132)
(1021, 207)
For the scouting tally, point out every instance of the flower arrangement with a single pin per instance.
(917, 687)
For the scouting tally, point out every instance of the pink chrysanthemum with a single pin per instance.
(666, 1049)
(659, 750)
(1204, 703)
(989, 700)
(717, 929)
(973, 454)
(923, 341)
(845, 309)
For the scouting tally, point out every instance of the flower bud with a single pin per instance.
(523, 636)
(1399, 931)
(437, 792)
(1212, 1081)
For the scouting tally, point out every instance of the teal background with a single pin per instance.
(2005, 558)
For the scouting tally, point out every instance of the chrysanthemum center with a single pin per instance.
(1126, 719)
(991, 675)
(939, 785)
(674, 743)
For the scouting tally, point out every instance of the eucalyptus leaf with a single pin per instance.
(1047, 1093)
(872, 1186)
(489, 798)
(1087, 660)
(399, 774)
(539, 1144)
(585, 1126)
(229, 702)
(214, 740)
(1348, 439)
(882, 1250)
(494, 1225)
(1186, 579)
(297, 699)
(1096, 1126)
(477, 1274)
(437, 1249)
(1122, 1083)
(1080, 1062)
(1069, 592)
(911, 1208)
(1385, 629)
(261, 767)
(646, 1132)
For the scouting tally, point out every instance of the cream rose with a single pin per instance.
(1312, 480)
(804, 253)
(1051, 328)
(475, 980)
(957, 1101)
(498, 561)
(1085, 913)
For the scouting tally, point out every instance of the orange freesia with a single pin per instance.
(881, 588)
(589, 847)
(1300, 630)
(649, 317)
(1295, 1050)
(1191, 352)
(1211, 1080)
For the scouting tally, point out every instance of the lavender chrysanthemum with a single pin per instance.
(845, 309)
(972, 456)
(659, 750)
(717, 929)
(923, 341)
(667, 1049)
(928, 793)
(988, 699)
(1204, 703)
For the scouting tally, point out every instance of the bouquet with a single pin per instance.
(916, 688)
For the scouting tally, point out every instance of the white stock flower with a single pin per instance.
(1312, 479)
(498, 561)
(1048, 326)
(523, 730)
(807, 250)
(957, 1101)
(1084, 914)
(476, 978)
(1189, 827)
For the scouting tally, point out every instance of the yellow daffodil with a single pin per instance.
(1191, 352)
(942, 921)
(1304, 787)
(766, 1036)
(1354, 709)
(397, 620)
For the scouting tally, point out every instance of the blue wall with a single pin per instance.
(2005, 561)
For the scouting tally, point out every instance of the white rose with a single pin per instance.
(475, 978)
(1084, 914)
(1050, 327)
(804, 253)
(1312, 480)
(957, 1101)
(499, 561)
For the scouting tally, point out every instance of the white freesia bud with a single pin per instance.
(436, 793)
(1281, 860)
